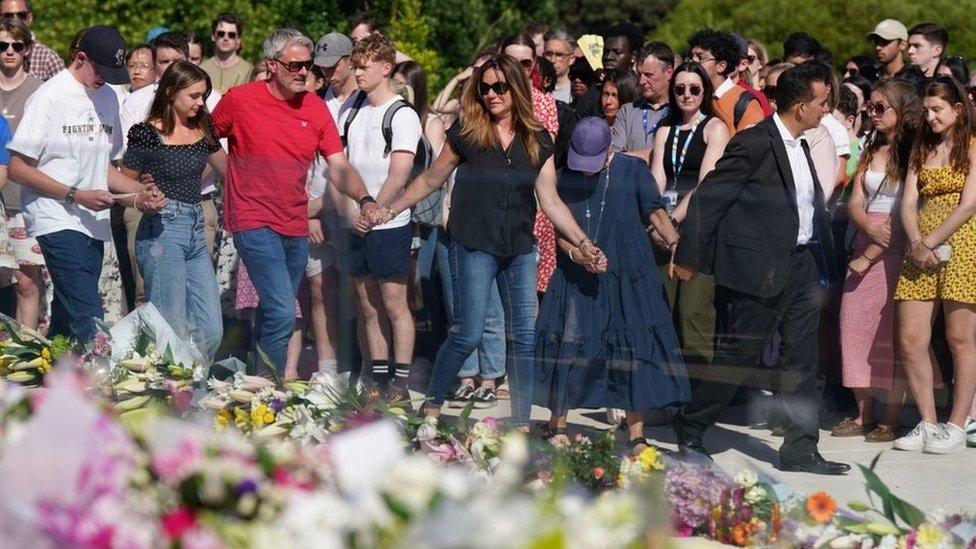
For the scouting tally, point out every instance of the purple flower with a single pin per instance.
(277, 404)
(693, 491)
(247, 486)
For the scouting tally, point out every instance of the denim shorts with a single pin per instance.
(383, 254)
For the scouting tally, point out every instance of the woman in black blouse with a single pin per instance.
(504, 163)
(175, 144)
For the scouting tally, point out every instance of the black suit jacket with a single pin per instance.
(742, 222)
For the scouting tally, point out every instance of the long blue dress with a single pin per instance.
(608, 340)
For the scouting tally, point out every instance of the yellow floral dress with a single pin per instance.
(940, 188)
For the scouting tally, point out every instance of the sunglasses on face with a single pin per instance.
(229, 34)
(877, 109)
(500, 88)
(18, 47)
(22, 15)
(881, 42)
(526, 63)
(751, 59)
(295, 66)
(852, 71)
(769, 92)
(694, 89)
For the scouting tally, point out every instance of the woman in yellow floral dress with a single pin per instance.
(940, 267)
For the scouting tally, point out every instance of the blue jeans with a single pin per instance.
(178, 275)
(514, 278)
(489, 358)
(276, 264)
(75, 263)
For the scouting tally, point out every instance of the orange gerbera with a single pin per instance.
(821, 507)
(741, 533)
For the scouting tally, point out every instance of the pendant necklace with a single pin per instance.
(603, 203)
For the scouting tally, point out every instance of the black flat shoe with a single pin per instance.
(814, 463)
(694, 448)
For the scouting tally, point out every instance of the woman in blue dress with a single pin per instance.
(604, 336)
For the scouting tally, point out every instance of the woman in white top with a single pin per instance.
(877, 246)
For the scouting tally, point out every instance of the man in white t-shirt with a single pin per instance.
(167, 49)
(379, 261)
(61, 155)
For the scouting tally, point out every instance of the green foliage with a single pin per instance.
(840, 25)
(410, 30)
(596, 16)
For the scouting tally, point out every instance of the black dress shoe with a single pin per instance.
(814, 463)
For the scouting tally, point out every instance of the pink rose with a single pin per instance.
(178, 521)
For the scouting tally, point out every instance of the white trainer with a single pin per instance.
(950, 439)
(971, 432)
(916, 439)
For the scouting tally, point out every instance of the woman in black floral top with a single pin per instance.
(175, 145)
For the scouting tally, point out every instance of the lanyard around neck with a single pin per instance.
(677, 162)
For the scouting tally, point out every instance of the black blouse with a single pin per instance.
(493, 204)
(688, 176)
(176, 169)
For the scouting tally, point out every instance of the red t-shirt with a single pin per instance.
(272, 145)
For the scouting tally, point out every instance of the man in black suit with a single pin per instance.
(751, 223)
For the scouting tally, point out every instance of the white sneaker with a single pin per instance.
(915, 440)
(971, 432)
(949, 439)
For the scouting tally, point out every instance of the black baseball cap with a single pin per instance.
(106, 49)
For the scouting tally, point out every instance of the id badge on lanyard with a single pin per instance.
(670, 200)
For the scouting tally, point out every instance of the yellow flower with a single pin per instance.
(929, 535)
(46, 353)
(262, 415)
(46, 365)
(221, 420)
(241, 419)
(650, 459)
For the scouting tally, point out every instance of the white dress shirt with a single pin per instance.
(135, 109)
(802, 180)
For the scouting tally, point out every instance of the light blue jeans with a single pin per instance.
(178, 274)
(477, 272)
(276, 264)
(488, 360)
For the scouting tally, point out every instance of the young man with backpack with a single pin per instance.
(381, 133)
(719, 54)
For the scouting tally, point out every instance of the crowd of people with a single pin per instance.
(608, 222)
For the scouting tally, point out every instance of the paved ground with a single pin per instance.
(928, 481)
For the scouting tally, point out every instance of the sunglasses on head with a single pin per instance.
(229, 34)
(877, 109)
(22, 15)
(500, 88)
(18, 47)
(295, 66)
(694, 89)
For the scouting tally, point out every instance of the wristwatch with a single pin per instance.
(70, 197)
(365, 200)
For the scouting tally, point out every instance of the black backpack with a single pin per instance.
(427, 211)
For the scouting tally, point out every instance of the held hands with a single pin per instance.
(590, 257)
(372, 214)
(923, 256)
(150, 200)
(880, 233)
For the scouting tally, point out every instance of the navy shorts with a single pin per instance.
(383, 254)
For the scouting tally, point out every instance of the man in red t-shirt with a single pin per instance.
(274, 128)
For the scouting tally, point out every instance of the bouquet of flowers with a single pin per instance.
(25, 355)
(147, 377)
(591, 462)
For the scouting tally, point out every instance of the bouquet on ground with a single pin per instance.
(25, 355)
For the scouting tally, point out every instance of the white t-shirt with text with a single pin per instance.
(73, 133)
(365, 146)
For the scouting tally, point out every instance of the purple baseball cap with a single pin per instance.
(589, 145)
